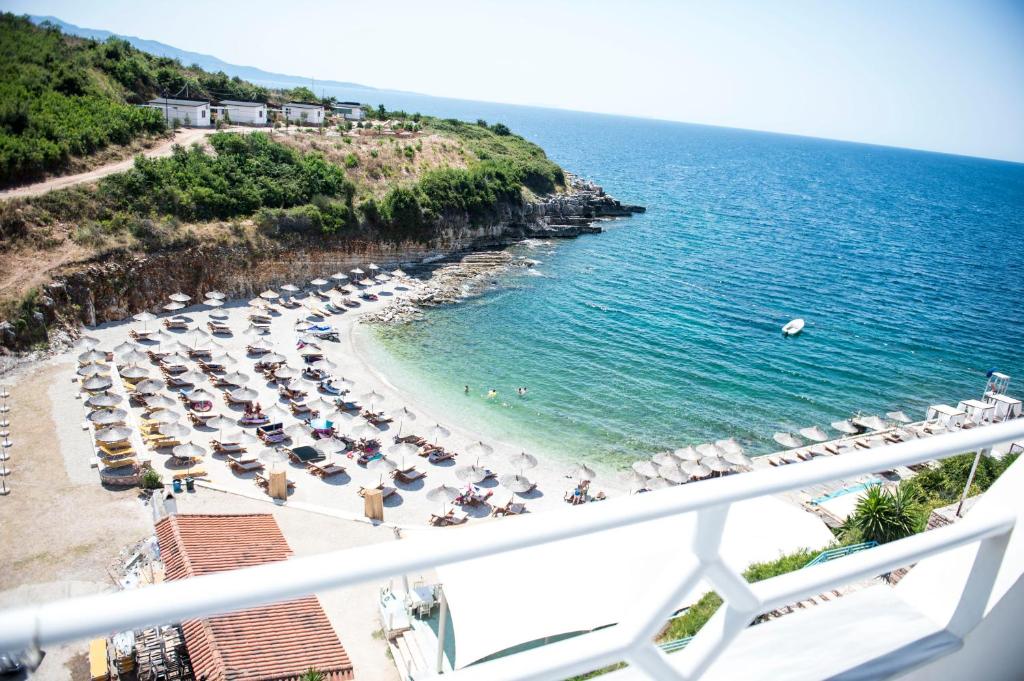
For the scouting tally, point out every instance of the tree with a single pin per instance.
(302, 94)
(382, 113)
(884, 516)
(501, 129)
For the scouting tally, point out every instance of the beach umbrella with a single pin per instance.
(116, 434)
(194, 337)
(262, 344)
(737, 459)
(371, 397)
(787, 439)
(93, 370)
(86, 342)
(174, 360)
(125, 347)
(323, 406)
(898, 416)
(708, 449)
(244, 395)
(664, 459)
(179, 297)
(815, 434)
(134, 357)
(517, 484)
(215, 295)
(398, 273)
(164, 416)
(658, 483)
(150, 386)
(645, 468)
(160, 402)
(686, 454)
(96, 383)
(438, 432)
(373, 266)
(104, 400)
(189, 450)
(479, 450)
(672, 473)
(403, 415)
(273, 458)
(522, 460)
(871, 422)
(636, 482)
(356, 270)
(343, 421)
(219, 315)
(269, 295)
(174, 307)
(235, 378)
(191, 377)
(729, 446)
(200, 395)
(364, 430)
(329, 447)
(471, 473)
(134, 372)
(145, 317)
(381, 278)
(213, 302)
(324, 365)
(319, 282)
(106, 417)
(695, 469)
(275, 413)
(403, 450)
(716, 464)
(366, 282)
(273, 358)
(253, 332)
(290, 288)
(382, 465)
(581, 472)
(220, 422)
(297, 431)
(351, 288)
(339, 276)
(285, 372)
(91, 356)
(443, 494)
(846, 426)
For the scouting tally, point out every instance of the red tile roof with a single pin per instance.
(277, 642)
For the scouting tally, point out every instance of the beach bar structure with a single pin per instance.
(978, 413)
(245, 113)
(267, 643)
(946, 415)
(1006, 407)
(303, 113)
(954, 614)
(183, 112)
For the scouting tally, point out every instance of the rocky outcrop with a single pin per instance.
(124, 283)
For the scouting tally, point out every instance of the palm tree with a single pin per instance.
(885, 516)
(312, 674)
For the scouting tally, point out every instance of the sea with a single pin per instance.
(665, 330)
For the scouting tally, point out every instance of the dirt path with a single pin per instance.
(183, 137)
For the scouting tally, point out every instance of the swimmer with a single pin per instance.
(466, 390)
(492, 393)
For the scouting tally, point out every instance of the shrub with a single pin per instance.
(152, 480)
(351, 160)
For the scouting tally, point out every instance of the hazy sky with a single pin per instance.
(946, 75)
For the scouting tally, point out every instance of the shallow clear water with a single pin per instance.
(665, 330)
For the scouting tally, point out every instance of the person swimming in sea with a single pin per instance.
(466, 390)
(492, 393)
(521, 391)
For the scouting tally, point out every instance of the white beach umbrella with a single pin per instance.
(672, 473)
(93, 370)
(716, 463)
(174, 307)
(125, 347)
(275, 413)
(244, 395)
(581, 472)
(134, 357)
(438, 432)
(269, 295)
(871, 422)
(322, 406)
(471, 473)
(522, 460)
(96, 383)
(290, 288)
(189, 450)
(381, 278)
(273, 458)
(236, 378)
(192, 377)
(636, 482)
(213, 302)
(365, 431)
(262, 344)
(329, 447)
(177, 431)
(179, 297)
(106, 417)
(297, 431)
(134, 371)
(200, 395)
(517, 484)
(104, 400)
(149, 386)
(319, 282)
(273, 358)
(164, 416)
(899, 416)
(116, 434)
(343, 383)
(729, 446)
(664, 459)
(356, 270)
(645, 468)
(403, 415)
(658, 483)
(351, 288)
(145, 317)
(86, 342)
(371, 397)
(695, 469)
(382, 465)
(373, 266)
(92, 355)
(160, 402)
(253, 332)
(787, 439)
(479, 450)
(737, 459)
(215, 295)
(366, 282)
(324, 365)
(285, 372)
(339, 276)
(814, 434)
(845, 426)
(219, 423)
(443, 494)
(708, 449)
(687, 454)
(399, 273)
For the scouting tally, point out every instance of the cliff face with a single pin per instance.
(121, 284)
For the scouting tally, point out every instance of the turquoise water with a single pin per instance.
(665, 330)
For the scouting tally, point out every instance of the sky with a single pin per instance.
(942, 75)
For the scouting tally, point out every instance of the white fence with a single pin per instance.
(632, 639)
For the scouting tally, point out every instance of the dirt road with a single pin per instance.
(183, 137)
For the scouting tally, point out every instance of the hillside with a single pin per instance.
(64, 99)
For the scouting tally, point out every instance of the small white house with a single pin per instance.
(946, 415)
(246, 113)
(303, 113)
(351, 111)
(1006, 407)
(979, 413)
(186, 112)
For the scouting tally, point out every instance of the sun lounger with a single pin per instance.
(117, 462)
(163, 443)
(115, 448)
(376, 418)
(226, 447)
(304, 454)
(253, 420)
(511, 508)
(301, 408)
(219, 329)
(366, 457)
(411, 439)
(428, 449)
(408, 475)
(139, 335)
(324, 470)
(452, 517)
(439, 455)
(385, 491)
(272, 433)
(244, 465)
(264, 484)
(194, 473)
(175, 324)
(199, 353)
(291, 395)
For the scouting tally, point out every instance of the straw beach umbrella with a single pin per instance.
(403, 450)
(664, 459)
(93, 370)
(737, 458)
(177, 431)
(898, 416)
(134, 356)
(269, 295)
(479, 450)
(275, 413)
(645, 468)
(695, 469)
(213, 302)
(658, 483)
(164, 416)
(96, 383)
(150, 386)
(160, 402)
(672, 473)
(382, 465)
(179, 297)
(517, 484)
(365, 430)
(235, 378)
(846, 426)
(686, 454)
(442, 494)
(787, 439)
(145, 317)
(581, 472)
(215, 295)
(116, 434)
(91, 356)
(472, 473)
(636, 482)
(244, 395)
(871, 422)
(319, 282)
(106, 417)
(339, 276)
(220, 422)
(522, 460)
(104, 401)
(371, 397)
(290, 288)
(814, 434)
(403, 415)
(716, 464)
(125, 347)
(438, 432)
(134, 372)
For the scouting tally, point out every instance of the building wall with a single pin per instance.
(188, 116)
(246, 114)
(313, 116)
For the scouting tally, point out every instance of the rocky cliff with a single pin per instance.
(123, 283)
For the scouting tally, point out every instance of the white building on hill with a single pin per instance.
(350, 110)
(301, 112)
(186, 112)
(247, 113)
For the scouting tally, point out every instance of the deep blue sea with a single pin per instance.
(665, 330)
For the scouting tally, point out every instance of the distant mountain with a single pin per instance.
(205, 61)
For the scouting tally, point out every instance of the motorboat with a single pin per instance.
(793, 328)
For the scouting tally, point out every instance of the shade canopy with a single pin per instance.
(845, 426)
(516, 484)
(319, 282)
(104, 400)
(471, 474)
(149, 386)
(269, 295)
(648, 469)
(522, 460)
(686, 454)
(108, 416)
(787, 439)
(898, 416)
(96, 383)
(581, 472)
(116, 434)
(160, 402)
(244, 395)
(479, 450)
(443, 494)
(549, 578)
(814, 433)
(180, 297)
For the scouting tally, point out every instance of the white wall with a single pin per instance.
(295, 115)
(190, 116)
(248, 115)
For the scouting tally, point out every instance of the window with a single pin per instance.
(202, 113)
(259, 114)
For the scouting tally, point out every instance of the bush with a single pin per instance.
(152, 480)
(351, 160)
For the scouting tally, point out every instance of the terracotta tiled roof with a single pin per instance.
(277, 642)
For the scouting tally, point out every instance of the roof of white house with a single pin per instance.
(945, 409)
(178, 102)
(231, 102)
(304, 105)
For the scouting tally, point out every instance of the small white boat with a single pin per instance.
(793, 328)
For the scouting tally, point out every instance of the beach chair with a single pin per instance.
(241, 466)
(324, 470)
(411, 439)
(439, 455)
(218, 328)
(271, 433)
(115, 448)
(408, 475)
(226, 447)
(302, 409)
(428, 449)
(385, 490)
(304, 454)
(377, 418)
(194, 473)
(263, 483)
(175, 323)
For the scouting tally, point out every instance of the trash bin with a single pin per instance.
(190, 484)
(176, 486)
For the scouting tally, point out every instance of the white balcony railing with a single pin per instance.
(632, 639)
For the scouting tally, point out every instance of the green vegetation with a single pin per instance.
(63, 97)
(883, 515)
(152, 480)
